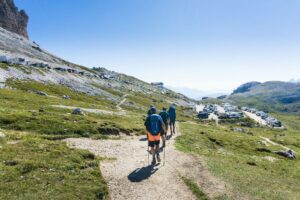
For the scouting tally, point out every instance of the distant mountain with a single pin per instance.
(269, 96)
(245, 87)
(295, 81)
(197, 94)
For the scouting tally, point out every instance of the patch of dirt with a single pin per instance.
(270, 158)
(122, 102)
(130, 177)
(267, 140)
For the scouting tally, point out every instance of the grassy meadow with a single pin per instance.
(35, 168)
(244, 160)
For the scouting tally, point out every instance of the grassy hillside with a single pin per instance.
(35, 163)
(35, 168)
(270, 96)
(244, 160)
(22, 109)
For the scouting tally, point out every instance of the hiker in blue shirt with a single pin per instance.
(172, 115)
(165, 117)
(154, 126)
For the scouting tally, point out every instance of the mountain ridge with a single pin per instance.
(270, 96)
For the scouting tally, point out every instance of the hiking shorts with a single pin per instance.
(153, 140)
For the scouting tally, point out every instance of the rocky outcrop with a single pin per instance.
(12, 19)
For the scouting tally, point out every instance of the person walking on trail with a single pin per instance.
(149, 111)
(165, 117)
(172, 115)
(154, 126)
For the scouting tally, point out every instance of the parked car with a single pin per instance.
(262, 114)
(235, 115)
(245, 109)
(253, 110)
(273, 122)
(203, 115)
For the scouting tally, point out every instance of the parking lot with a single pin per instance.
(228, 111)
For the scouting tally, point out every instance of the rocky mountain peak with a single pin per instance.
(12, 19)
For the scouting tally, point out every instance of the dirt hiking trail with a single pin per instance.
(130, 177)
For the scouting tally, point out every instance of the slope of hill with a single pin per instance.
(269, 96)
(26, 60)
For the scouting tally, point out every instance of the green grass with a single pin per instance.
(20, 110)
(235, 157)
(35, 168)
(3, 66)
(110, 90)
(197, 191)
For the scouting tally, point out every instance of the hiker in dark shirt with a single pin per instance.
(172, 115)
(165, 117)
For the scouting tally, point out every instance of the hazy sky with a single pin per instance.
(203, 44)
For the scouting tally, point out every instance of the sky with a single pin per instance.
(208, 45)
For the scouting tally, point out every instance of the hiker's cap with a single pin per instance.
(153, 110)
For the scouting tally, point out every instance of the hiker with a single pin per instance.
(165, 117)
(154, 126)
(149, 111)
(172, 115)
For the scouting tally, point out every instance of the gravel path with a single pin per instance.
(256, 118)
(274, 143)
(130, 177)
(122, 102)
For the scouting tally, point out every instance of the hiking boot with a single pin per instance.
(153, 161)
(158, 158)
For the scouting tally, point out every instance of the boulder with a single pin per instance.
(42, 109)
(41, 93)
(77, 111)
(288, 154)
(238, 130)
(66, 97)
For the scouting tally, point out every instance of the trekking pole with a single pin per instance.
(148, 153)
(165, 155)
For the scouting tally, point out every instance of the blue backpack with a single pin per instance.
(172, 113)
(155, 124)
